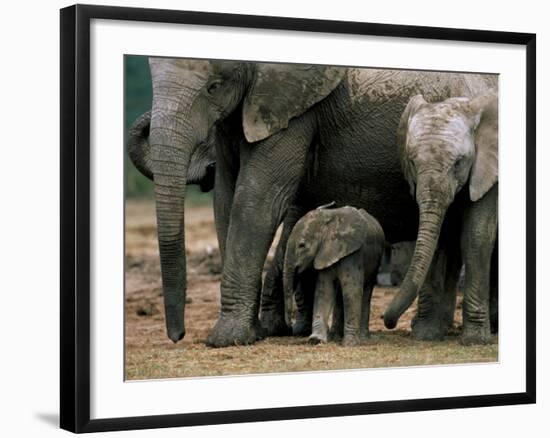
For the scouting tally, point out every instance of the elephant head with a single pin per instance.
(444, 147)
(190, 100)
(320, 239)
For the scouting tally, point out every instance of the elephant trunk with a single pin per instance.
(430, 221)
(171, 156)
(139, 149)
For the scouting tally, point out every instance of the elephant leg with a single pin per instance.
(272, 312)
(352, 315)
(337, 327)
(351, 276)
(493, 304)
(265, 187)
(323, 303)
(224, 190)
(478, 241)
(365, 307)
(304, 297)
(429, 323)
(452, 276)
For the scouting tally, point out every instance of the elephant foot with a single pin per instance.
(475, 335)
(365, 335)
(428, 329)
(274, 324)
(316, 338)
(351, 341)
(230, 331)
(301, 328)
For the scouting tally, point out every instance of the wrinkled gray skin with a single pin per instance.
(343, 247)
(449, 153)
(297, 137)
(202, 165)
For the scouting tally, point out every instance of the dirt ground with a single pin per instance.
(149, 354)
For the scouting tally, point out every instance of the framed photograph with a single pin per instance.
(267, 218)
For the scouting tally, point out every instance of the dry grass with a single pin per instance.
(277, 355)
(150, 355)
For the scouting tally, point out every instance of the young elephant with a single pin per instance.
(449, 155)
(343, 248)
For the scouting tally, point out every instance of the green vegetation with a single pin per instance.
(138, 95)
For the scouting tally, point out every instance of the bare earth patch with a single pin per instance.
(149, 354)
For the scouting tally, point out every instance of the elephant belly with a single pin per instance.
(355, 162)
(358, 180)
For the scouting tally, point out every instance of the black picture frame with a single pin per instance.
(75, 217)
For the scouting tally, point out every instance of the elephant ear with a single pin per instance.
(344, 234)
(280, 92)
(139, 149)
(410, 110)
(484, 173)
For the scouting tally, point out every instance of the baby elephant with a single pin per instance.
(342, 247)
(449, 156)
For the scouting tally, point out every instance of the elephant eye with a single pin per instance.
(301, 244)
(458, 163)
(214, 86)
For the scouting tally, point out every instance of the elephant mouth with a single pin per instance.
(207, 182)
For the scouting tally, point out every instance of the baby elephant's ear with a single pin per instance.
(484, 174)
(342, 236)
(281, 92)
(412, 107)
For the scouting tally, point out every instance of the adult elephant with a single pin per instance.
(299, 135)
(449, 153)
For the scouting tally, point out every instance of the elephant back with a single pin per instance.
(378, 86)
